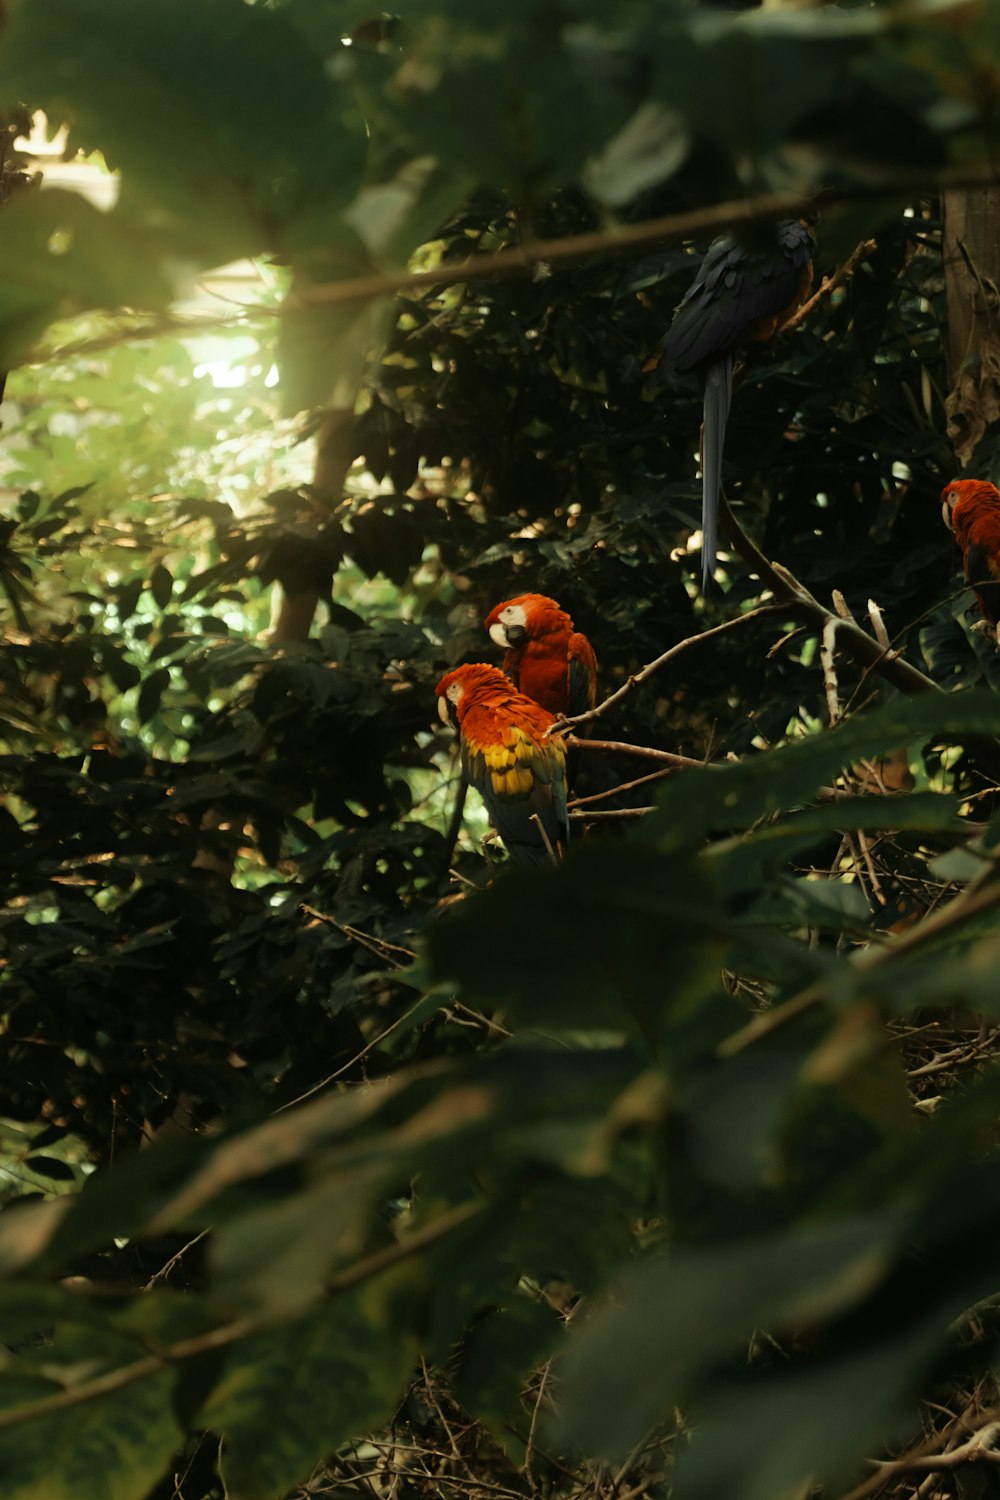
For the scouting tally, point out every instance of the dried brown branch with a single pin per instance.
(980, 1446)
(830, 284)
(662, 660)
(520, 259)
(645, 752)
(858, 644)
(621, 239)
(614, 791)
(615, 812)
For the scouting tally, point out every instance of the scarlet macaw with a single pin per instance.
(518, 772)
(741, 291)
(546, 658)
(971, 509)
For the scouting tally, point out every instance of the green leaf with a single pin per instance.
(735, 796)
(589, 935)
(287, 1398)
(113, 1448)
(173, 94)
(161, 585)
(673, 1320)
(60, 256)
(151, 692)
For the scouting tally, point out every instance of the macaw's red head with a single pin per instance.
(465, 687)
(966, 503)
(526, 618)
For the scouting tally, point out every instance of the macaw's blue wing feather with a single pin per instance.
(519, 780)
(718, 395)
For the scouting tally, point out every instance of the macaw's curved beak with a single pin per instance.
(444, 711)
(946, 516)
(506, 635)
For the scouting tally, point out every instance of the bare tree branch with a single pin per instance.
(830, 283)
(662, 660)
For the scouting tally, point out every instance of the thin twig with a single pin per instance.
(553, 857)
(827, 648)
(980, 1446)
(611, 812)
(352, 1062)
(661, 661)
(645, 752)
(165, 1270)
(830, 283)
(865, 651)
(971, 903)
(614, 791)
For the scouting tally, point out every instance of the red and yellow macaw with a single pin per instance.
(518, 771)
(742, 291)
(971, 509)
(546, 658)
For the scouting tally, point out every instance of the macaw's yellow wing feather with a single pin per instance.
(520, 778)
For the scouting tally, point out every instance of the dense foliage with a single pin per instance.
(331, 1154)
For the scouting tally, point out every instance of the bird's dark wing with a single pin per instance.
(582, 675)
(736, 286)
(983, 572)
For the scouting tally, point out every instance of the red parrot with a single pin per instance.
(515, 768)
(742, 291)
(546, 658)
(971, 509)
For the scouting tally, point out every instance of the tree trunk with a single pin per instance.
(972, 280)
(334, 456)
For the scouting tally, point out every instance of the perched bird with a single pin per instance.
(546, 658)
(743, 290)
(971, 509)
(519, 773)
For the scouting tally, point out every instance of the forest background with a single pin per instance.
(334, 1160)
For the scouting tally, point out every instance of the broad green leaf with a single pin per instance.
(588, 938)
(112, 1448)
(206, 106)
(673, 1320)
(287, 1398)
(772, 1439)
(735, 796)
(60, 256)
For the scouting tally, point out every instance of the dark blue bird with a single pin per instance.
(743, 290)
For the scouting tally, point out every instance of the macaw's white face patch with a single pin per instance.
(449, 701)
(510, 627)
(948, 500)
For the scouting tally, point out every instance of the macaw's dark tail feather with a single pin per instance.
(718, 394)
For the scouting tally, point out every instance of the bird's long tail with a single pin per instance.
(718, 395)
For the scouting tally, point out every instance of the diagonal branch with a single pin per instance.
(662, 660)
(830, 284)
(858, 644)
